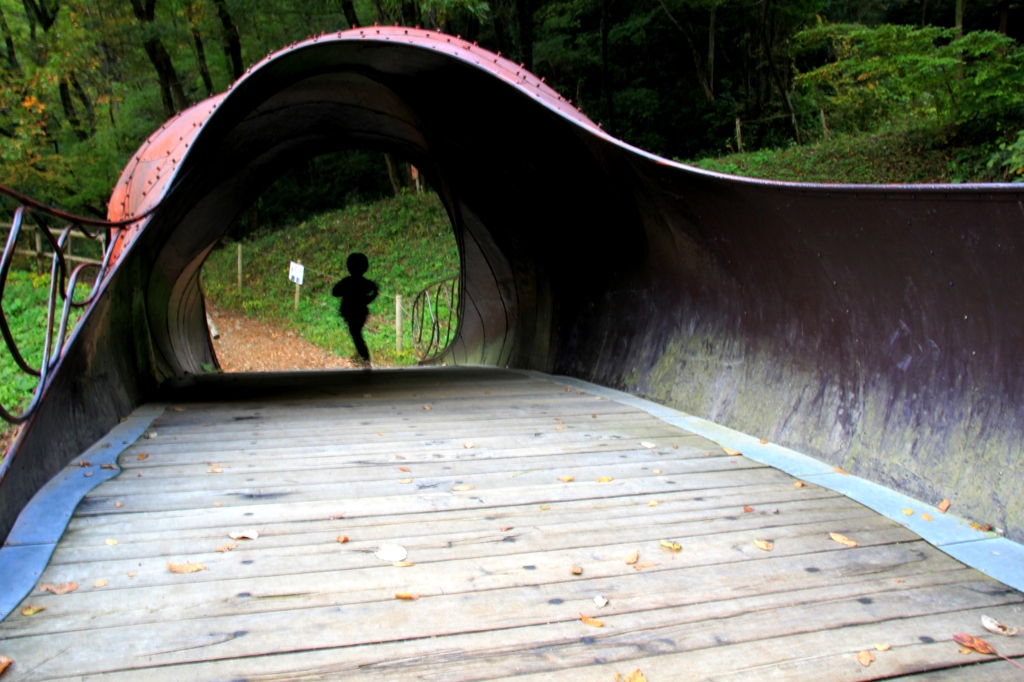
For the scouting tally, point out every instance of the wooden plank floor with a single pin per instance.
(306, 459)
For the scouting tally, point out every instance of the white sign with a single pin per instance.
(296, 272)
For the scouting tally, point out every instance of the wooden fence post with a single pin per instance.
(398, 323)
(239, 266)
(824, 125)
(739, 136)
(39, 251)
(297, 290)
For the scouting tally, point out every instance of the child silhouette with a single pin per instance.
(356, 293)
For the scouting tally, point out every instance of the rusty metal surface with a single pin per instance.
(878, 328)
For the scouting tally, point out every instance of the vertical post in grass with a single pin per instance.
(824, 125)
(739, 136)
(297, 291)
(239, 266)
(398, 323)
(39, 250)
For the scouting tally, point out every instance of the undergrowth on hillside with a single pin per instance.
(409, 242)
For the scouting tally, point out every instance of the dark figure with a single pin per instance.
(356, 293)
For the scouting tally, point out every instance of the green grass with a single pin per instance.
(409, 242)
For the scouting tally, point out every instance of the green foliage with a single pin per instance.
(408, 240)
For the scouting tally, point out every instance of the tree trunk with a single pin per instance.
(524, 15)
(499, 16)
(924, 12)
(197, 40)
(69, 109)
(38, 12)
(396, 181)
(783, 90)
(12, 58)
(1004, 17)
(170, 86)
(350, 13)
(698, 65)
(232, 42)
(605, 79)
(410, 17)
(83, 97)
(960, 16)
(711, 50)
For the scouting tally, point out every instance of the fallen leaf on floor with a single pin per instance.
(505, 528)
(4, 662)
(119, 504)
(730, 451)
(559, 428)
(177, 409)
(926, 517)
(31, 610)
(335, 517)
(141, 456)
(644, 565)
(883, 647)
(840, 470)
(605, 479)
(865, 658)
(391, 553)
(405, 480)
(110, 541)
(228, 547)
(763, 441)
(131, 574)
(487, 392)
(799, 484)
(380, 433)
(943, 506)
(993, 625)
(593, 416)
(648, 444)
(62, 588)
(747, 509)
(462, 487)
(468, 446)
(403, 564)
(592, 621)
(843, 540)
(545, 507)
(188, 567)
(577, 570)
(979, 527)
(900, 580)
(600, 601)
(766, 545)
(342, 539)
(963, 650)
(972, 642)
(566, 479)
(567, 389)
(408, 596)
(635, 676)
(559, 421)
(102, 582)
(427, 407)
(247, 534)
(83, 463)
(108, 466)
(652, 503)
(632, 558)
(668, 544)
(908, 512)
(215, 471)
(656, 471)
(403, 468)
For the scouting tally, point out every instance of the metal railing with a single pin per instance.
(62, 281)
(435, 316)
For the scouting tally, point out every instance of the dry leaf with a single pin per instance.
(405, 480)
(467, 445)
(427, 407)
(840, 470)
(403, 468)
(926, 517)
(188, 567)
(766, 545)
(119, 504)
(62, 588)
(403, 564)
(971, 642)
(391, 553)
(334, 517)
(247, 534)
(111, 541)
(843, 540)
(865, 658)
(605, 479)
(462, 487)
(108, 466)
(141, 456)
(559, 428)
(559, 421)
(668, 544)
(642, 566)
(799, 484)
(177, 409)
(218, 504)
(656, 471)
(567, 389)
(4, 662)
(577, 570)
(31, 610)
(83, 463)
(380, 433)
(648, 444)
(908, 512)
(131, 574)
(592, 621)
(943, 506)
(505, 528)
(763, 441)
(899, 580)
(228, 547)
(979, 527)
(342, 539)
(215, 471)
(408, 596)
(600, 601)
(593, 416)
(566, 479)
(632, 558)
(635, 676)
(652, 503)
(102, 582)
(963, 650)
(883, 647)
(747, 509)
(730, 451)
(545, 507)
(993, 625)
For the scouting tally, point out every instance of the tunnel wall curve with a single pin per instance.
(876, 328)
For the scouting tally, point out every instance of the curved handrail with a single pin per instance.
(435, 317)
(62, 284)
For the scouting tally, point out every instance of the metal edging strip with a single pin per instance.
(995, 556)
(44, 519)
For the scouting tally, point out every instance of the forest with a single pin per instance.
(83, 82)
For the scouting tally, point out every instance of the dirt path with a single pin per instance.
(246, 345)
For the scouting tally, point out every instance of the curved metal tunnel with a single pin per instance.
(876, 328)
